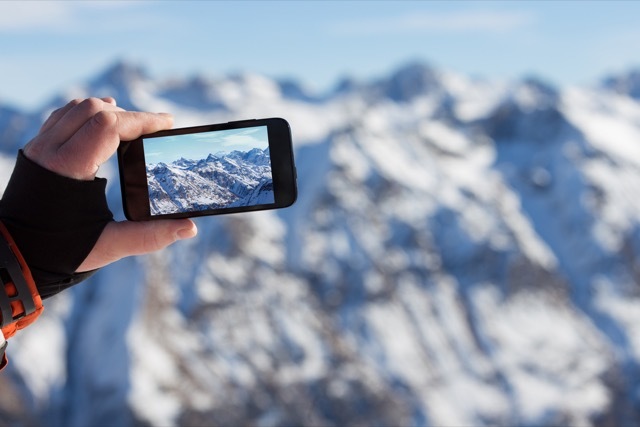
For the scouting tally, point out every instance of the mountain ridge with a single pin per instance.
(462, 252)
(237, 178)
(198, 90)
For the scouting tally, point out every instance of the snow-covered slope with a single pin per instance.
(462, 252)
(222, 180)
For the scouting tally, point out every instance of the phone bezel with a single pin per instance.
(133, 178)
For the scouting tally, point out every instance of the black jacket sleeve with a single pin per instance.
(55, 222)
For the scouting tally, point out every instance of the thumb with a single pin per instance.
(122, 239)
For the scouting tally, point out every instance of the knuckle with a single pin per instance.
(88, 107)
(92, 105)
(105, 119)
(33, 151)
(56, 112)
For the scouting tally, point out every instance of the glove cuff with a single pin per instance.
(55, 221)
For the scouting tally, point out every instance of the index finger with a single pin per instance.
(132, 124)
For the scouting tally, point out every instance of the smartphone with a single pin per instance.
(208, 170)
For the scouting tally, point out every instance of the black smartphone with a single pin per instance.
(208, 170)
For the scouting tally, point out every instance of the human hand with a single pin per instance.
(79, 137)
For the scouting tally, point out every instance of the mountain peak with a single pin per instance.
(411, 80)
(121, 74)
(346, 84)
(534, 92)
(291, 88)
(625, 84)
(415, 77)
(407, 82)
(118, 80)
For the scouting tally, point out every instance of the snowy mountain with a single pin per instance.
(223, 180)
(625, 84)
(462, 252)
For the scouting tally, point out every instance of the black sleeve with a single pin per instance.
(55, 221)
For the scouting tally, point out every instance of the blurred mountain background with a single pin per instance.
(464, 251)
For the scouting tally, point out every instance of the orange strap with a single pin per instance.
(25, 302)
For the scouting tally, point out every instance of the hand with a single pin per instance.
(79, 137)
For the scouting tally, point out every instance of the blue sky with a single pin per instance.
(198, 146)
(46, 46)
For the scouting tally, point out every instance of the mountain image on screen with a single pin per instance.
(222, 180)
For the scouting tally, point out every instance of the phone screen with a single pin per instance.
(209, 170)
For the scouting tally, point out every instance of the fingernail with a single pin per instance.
(186, 233)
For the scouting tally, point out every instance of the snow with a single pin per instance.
(38, 353)
(444, 138)
(266, 242)
(619, 215)
(397, 165)
(525, 235)
(610, 123)
(149, 400)
(623, 308)
(542, 345)
(475, 99)
(232, 180)
(466, 255)
(6, 167)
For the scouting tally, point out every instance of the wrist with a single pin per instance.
(54, 220)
